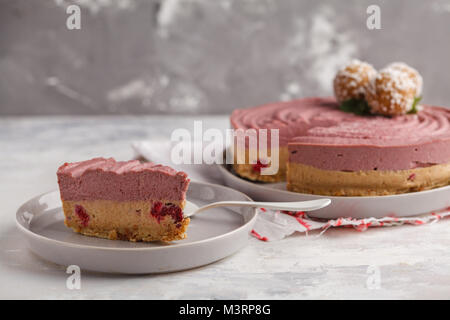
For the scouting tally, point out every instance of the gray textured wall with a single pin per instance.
(204, 56)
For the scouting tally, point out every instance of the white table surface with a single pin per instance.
(413, 261)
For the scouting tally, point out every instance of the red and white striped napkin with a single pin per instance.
(275, 225)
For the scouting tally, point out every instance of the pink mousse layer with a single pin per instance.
(319, 134)
(108, 179)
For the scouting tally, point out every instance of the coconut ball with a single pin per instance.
(412, 73)
(352, 80)
(391, 92)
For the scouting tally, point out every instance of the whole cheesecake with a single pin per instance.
(326, 151)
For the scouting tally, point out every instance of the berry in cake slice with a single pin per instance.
(126, 200)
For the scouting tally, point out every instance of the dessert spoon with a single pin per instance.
(191, 209)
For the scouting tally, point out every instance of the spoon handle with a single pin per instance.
(288, 206)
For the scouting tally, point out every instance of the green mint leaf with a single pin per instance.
(356, 106)
(414, 106)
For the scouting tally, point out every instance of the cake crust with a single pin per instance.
(123, 220)
(307, 179)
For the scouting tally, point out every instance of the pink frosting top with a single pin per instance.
(319, 134)
(108, 179)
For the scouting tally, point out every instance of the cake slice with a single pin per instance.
(126, 200)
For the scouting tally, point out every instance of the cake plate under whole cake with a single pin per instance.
(400, 205)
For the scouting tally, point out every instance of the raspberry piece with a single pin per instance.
(156, 208)
(159, 211)
(258, 165)
(82, 215)
(174, 211)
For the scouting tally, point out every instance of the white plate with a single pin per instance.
(212, 235)
(402, 205)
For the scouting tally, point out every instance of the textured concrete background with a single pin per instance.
(203, 56)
